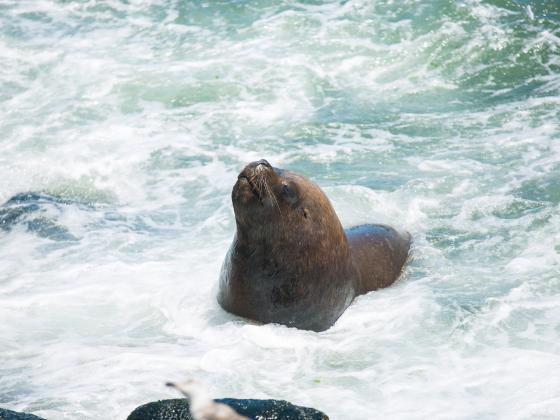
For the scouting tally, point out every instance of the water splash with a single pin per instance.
(440, 117)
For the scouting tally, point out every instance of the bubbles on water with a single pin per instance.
(436, 117)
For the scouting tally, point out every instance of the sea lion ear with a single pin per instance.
(305, 212)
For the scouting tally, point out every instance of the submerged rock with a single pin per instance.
(38, 213)
(14, 415)
(178, 409)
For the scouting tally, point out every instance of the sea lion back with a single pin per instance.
(380, 253)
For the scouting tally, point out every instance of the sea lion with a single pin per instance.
(291, 262)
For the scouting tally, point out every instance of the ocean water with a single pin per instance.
(439, 117)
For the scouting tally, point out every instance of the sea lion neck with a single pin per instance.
(255, 233)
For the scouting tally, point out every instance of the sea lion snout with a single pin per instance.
(256, 167)
(263, 163)
(253, 182)
(253, 169)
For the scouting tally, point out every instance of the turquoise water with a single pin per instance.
(439, 117)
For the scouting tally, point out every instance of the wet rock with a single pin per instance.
(14, 415)
(38, 213)
(178, 409)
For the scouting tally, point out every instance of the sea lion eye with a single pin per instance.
(288, 193)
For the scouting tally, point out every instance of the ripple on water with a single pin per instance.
(433, 116)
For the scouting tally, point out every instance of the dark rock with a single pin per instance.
(14, 415)
(43, 215)
(273, 409)
(178, 409)
(36, 212)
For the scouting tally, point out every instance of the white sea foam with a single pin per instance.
(438, 119)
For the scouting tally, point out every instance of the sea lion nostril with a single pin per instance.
(255, 166)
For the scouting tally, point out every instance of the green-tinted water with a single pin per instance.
(439, 117)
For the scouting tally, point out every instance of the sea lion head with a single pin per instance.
(274, 202)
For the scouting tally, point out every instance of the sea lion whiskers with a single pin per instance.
(260, 184)
(254, 181)
(273, 197)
